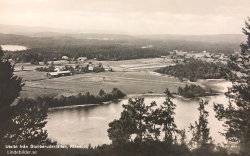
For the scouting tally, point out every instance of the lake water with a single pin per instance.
(13, 47)
(89, 124)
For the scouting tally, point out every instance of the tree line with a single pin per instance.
(140, 128)
(193, 70)
(101, 52)
(52, 48)
(80, 99)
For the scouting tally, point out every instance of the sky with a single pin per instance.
(138, 17)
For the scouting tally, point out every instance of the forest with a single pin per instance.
(193, 70)
(53, 48)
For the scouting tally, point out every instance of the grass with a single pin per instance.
(129, 82)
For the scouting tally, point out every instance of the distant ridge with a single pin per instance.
(57, 32)
(227, 38)
(114, 35)
(7, 29)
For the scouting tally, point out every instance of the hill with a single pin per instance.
(114, 35)
(57, 32)
(220, 38)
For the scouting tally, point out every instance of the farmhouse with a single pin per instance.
(90, 68)
(58, 74)
(107, 68)
(59, 68)
(65, 57)
(82, 59)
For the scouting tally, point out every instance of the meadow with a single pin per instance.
(130, 76)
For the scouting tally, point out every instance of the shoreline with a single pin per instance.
(220, 85)
(83, 105)
(127, 97)
(72, 106)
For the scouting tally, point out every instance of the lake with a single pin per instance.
(89, 124)
(13, 47)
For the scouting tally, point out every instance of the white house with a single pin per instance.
(107, 68)
(90, 68)
(58, 68)
(65, 57)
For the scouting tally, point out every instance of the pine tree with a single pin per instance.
(152, 121)
(237, 113)
(139, 111)
(145, 121)
(10, 87)
(28, 120)
(101, 92)
(136, 118)
(21, 123)
(167, 118)
(200, 131)
(120, 131)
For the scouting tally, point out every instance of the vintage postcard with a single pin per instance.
(124, 78)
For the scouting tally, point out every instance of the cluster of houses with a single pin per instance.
(181, 55)
(81, 64)
(219, 56)
(90, 66)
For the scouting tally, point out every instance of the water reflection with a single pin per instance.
(13, 47)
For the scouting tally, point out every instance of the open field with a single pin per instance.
(130, 76)
(128, 82)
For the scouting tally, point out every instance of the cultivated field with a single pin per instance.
(130, 76)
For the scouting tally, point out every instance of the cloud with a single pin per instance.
(140, 16)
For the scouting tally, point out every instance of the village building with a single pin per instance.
(59, 68)
(107, 68)
(90, 68)
(65, 57)
(58, 74)
(6, 59)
